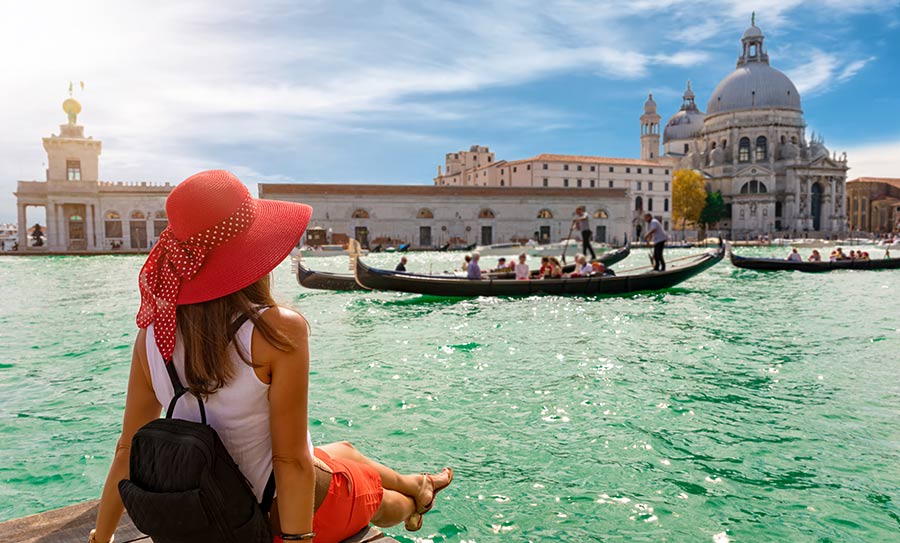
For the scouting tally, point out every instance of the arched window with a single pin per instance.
(424, 213)
(601, 214)
(360, 214)
(761, 149)
(545, 214)
(485, 214)
(754, 187)
(137, 215)
(744, 150)
(713, 146)
(76, 217)
(112, 215)
(638, 204)
(160, 215)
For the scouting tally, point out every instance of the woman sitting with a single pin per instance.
(545, 267)
(208, 273)
(555, 268)
(815, 256)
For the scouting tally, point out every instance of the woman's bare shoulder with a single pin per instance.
(287, 321)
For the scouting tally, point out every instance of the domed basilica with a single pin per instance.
(751, 146)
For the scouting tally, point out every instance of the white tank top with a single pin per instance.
(238, 412)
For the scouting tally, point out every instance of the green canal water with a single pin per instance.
(739, 407)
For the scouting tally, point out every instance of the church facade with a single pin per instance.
(751, 145)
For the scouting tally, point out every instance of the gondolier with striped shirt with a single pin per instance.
(583, 224)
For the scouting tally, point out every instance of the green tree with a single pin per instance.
(688, 197)
(714, 210)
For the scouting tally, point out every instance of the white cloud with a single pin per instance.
(823, 70)
(852, 68)
(874, 160)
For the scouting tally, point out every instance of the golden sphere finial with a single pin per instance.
(72, 109)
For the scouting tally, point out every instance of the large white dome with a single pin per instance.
(753, 84)
(687, 122)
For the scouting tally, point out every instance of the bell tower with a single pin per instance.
(650, 131)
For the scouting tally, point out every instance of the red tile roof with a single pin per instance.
(893, 181)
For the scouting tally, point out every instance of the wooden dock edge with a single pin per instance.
(73, 523)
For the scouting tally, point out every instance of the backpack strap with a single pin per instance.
(180, 391)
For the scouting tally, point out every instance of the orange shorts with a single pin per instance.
(353, 499)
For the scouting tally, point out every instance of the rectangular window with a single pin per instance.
(73, 170)
(579, 167)
(639, 170)
(514, 169)
(579, 183)
(565, 182)
(639, 185)
(627, 170)
(611, 169)
(649, 185)
(593, 168)
(528, 167)
(501, 171)
(546, 183)
(610, 183)
(566, 167)
(649, 204)
(651, 171)
(666, 204)
(592, 183)
(667, 187)
(545, 166)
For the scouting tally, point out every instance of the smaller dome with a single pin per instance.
(752, 32)
(650, 104)
(686, 124)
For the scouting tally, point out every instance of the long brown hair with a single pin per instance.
(207, 331)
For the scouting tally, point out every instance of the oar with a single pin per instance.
(566, 244)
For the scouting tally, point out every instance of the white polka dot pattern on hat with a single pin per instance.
(172, 262)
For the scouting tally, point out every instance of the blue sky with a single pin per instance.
(378, 91)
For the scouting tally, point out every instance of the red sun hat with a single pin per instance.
(219, 240)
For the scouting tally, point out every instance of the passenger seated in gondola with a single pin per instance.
(555, 269)
(579, 264)
(473, 271)
(599, 268)
(585, 266)
(545, 267)
(795, 256)
(465, 266)
(522, 268)
(864, 255)
(815, 256)
(839, 254)
(503, 265)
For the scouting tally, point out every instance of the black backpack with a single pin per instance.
(186, 488)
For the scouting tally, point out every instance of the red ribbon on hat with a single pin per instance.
(171, 263)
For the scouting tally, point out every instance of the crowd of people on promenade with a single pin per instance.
(836, 255)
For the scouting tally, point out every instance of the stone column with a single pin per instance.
(23, 227)
(89, 230)
(62, 239)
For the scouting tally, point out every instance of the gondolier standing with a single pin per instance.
(657, 236)
(583, 224)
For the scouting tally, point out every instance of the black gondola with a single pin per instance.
(444, 285)
(325, 280)
(608, 259)
(777, 264)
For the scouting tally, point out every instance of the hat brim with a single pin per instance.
(249, 256)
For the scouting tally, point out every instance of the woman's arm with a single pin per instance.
(288, 393)
(141, 407)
